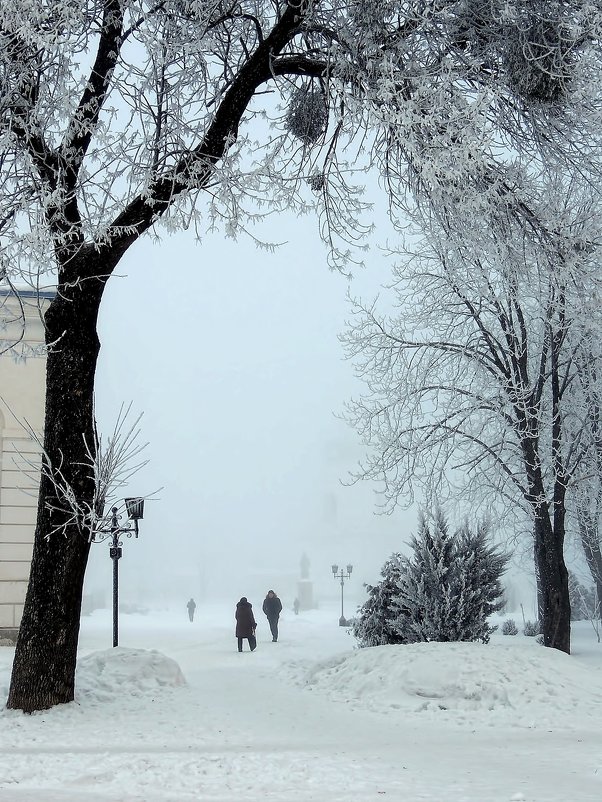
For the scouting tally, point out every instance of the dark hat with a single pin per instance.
(243, 599)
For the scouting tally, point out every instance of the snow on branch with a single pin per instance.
(110, 462)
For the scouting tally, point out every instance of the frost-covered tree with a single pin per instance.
(450, 584)
(372, 625)
(430, 589)
(444, 591)
(118, 117)
(483, 565)
(471, 387)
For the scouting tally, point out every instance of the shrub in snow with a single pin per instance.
(425, 602)
(372, 626)
(445, 591)
(451, 584)
(509, 627)
(531, 629)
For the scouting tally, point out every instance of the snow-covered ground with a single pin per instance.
(177, 714)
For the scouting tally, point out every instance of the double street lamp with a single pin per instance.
(342, 576)
(113, 530)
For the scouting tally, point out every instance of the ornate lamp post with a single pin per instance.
(342, 576)
(114, 530)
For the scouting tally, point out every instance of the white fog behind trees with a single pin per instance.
(241, 378)
(247, 352)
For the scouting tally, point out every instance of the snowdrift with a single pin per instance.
(115, 673)
(524, 684)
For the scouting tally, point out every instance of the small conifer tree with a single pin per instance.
(424, 604)
(482, 567)
(445, 591)
(372, 626)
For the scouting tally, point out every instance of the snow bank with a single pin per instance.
(113, 673)
(463, 682)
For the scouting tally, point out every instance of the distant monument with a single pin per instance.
(305, 592)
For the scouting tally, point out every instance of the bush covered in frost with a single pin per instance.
(372, 626)
(531, 629)
(445, 591)
(509, 627)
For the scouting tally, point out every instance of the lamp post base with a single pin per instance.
(343, 621)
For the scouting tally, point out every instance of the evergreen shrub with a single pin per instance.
(445, 591)
(509, 627)
(531, 629)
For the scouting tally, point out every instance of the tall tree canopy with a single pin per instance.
(120, 115)
(478, 387)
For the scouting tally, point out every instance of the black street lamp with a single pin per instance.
(342, 576)
(113, 530)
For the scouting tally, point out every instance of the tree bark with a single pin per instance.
(556, 617)
(539, 590)
(44, 666)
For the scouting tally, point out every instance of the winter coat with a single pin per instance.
(245, 620)
(272, 607)
(191, 605)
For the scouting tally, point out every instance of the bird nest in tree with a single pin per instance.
(540, 61)
(307, 115)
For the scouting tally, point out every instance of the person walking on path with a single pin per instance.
(245, 624)
(191, 608)
(272, 607)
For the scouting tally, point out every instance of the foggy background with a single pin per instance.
(231, 353)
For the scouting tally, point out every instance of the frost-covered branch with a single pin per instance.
(110, 463)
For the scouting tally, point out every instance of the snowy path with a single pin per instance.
(243, 730)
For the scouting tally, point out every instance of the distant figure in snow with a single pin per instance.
(296, 606)
(272, 607)
(245, 624)
(191, 608)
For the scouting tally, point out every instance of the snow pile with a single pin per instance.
(115, 673)
(463, 682)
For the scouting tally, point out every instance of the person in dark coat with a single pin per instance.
(191, 608)
(272, 607)
(245, 624)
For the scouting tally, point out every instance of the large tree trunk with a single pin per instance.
(556, 617)
(44, 665)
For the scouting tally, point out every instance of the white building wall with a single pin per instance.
(22, 381)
